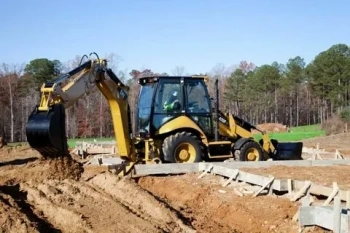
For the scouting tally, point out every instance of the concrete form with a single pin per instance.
(333, 218)
(158, 169)
(85, 149)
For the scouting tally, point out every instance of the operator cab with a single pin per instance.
(163, 98)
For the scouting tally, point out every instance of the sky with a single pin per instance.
(163, 34)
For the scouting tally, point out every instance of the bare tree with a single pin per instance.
(178, 71)
(10, 80)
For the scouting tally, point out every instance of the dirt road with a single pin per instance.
(63, 196)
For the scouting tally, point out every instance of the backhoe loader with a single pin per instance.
(176, 120)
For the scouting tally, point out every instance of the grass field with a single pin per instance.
(296, 134)
(71, 142)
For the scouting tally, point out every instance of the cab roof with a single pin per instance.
(156, 78)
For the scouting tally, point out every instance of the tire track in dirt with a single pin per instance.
(104, 204)
(78, 208)
(132, 196)
(62, 218)
(16, 215)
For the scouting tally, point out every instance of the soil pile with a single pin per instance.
(34, 169)
(64, 168)
(272, 127)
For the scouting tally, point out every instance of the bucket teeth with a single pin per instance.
(45, 132)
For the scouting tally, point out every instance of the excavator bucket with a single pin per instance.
(45, 131)
(289, 151)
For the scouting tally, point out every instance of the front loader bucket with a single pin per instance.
(45, 132)
(289, 151)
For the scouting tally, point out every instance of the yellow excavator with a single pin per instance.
(176, 120)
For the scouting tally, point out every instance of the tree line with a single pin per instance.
(292, 93)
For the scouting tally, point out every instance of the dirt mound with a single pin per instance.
(64, 168)
(34, 169)
(209, 210)
(273, 127)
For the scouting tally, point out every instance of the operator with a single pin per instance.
(173, 103)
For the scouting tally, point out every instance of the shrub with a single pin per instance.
(345, 114)
(334, 125)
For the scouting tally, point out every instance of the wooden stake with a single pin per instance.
(290, 186)
(301, 191)
(206, 171)
(234, 176)
(270, 182)
(332, 195)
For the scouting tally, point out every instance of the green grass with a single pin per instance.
(297, 133)
(13, 144)
(72, 142)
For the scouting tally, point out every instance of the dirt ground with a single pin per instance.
(331, 143)
(318, 174)
(63, 196)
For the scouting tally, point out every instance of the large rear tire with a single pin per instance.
(251, 151)
(182, 147)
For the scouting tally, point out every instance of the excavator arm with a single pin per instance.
(45, 128)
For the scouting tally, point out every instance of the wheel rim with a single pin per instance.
(185, 153)
(252, 154)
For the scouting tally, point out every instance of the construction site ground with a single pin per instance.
(61, 195)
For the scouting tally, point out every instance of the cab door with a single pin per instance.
(198, 104)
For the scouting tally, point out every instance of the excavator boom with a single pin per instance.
(45, 129)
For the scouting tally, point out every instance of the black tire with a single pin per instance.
(173, 143)
(247, 148)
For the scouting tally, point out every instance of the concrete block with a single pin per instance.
(105, 161)
(334, 219)
(156, 169)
